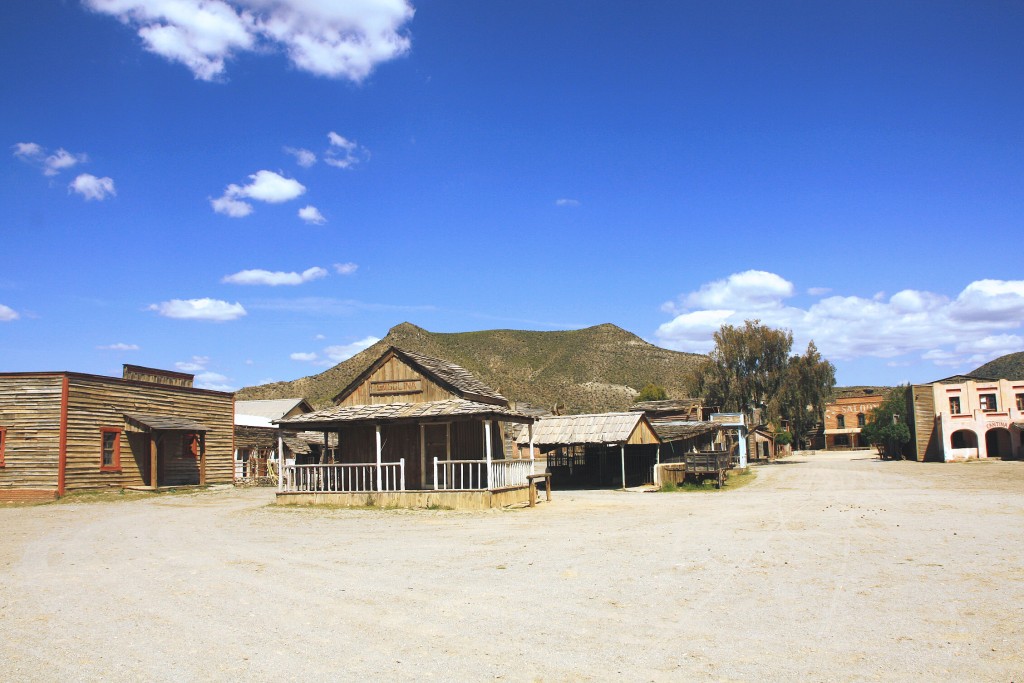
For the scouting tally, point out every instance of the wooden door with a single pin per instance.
(435, 445)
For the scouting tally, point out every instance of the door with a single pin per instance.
(435, 445)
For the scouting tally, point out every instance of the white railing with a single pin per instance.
(357, 478)
(508, 473)
(472, 475)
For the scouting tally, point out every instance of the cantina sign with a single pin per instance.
(396, 386)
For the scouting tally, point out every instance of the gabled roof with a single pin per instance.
(599, 428)
(678, 430)
(385, 413)
(270, 409)
(455, 378)
(667, 405)
(961, 379)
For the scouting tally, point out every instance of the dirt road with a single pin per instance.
(825, 568)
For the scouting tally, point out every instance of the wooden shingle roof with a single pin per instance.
(400, 412)
(599, 428)
(456, 378)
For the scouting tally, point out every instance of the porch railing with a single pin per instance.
(344, 478)
(473, 475)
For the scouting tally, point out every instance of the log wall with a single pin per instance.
(95, 402)
(396, 382)
(30, 411)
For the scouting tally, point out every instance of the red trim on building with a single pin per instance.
(115, 458)
(3, 443)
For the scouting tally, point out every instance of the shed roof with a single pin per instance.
(401, 412)
(172, 423)
(456, 377)
(271, 409)
(667, 405)
(598, 428)
(677, 430)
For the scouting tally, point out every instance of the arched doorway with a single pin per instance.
(998, 443)
(966, 441)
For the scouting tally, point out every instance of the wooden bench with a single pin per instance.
(532, 478)
(709, 464)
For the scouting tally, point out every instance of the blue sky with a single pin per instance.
(252, 190)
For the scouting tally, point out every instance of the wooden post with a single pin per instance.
(533, 458)
(401, 467)
(378, 457)
(152, 461)
(623, 467)
(423, 455)
(435, 473)
(487, 450)
(280, 461)
(533, 493)
(327, 443)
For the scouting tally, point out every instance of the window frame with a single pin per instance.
(862, 420)
(993, 407)
(959, 405)
(115, 465)
(840, 421)
(1020, 402)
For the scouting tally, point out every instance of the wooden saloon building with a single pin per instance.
(69, 431)
(412, 431)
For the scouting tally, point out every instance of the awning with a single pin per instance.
(164, 423)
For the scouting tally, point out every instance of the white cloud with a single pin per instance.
(336, 354)
(305, 357)
(303, 157)
(334, 39)
(319, 337)
(266, 277)
(91, 187)
(119, 346)
(567, 202)
(194, 364)
(266, 186)
(213, 381)
(345, 268)
(51, 164)
(818, 291)
(312, 215)
(984, 321)
(8, 314)
(344, 153)
(234, 208)
(199, 309)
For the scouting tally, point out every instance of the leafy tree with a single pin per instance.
(652, 392)
(750, 367)
(886, 427)
(806, 388)
(746, 368)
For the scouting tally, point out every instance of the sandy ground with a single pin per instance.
(827, 567)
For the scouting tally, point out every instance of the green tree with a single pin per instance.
(652, 392)
(807, 387)
(886, 427)
(746, 368)
(750, 367)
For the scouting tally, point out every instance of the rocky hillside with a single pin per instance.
(1010, 366)
(590, 370)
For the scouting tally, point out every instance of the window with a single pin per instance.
(861, 420)
(841, 421)
(954, 405)
(110, 450)
(987, 401)
(3, 443)
(1020, 403)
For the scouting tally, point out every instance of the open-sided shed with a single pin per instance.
(598, 450)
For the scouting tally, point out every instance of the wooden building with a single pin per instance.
(256, 439)
(407, 423)
(599, 450)
(69, 431)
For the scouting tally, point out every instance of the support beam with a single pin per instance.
(423, 455)
(623, 447)
(379, 449)
(202, 458)
(487, 449)
(153, 466)
(533, 458)
(280, 461)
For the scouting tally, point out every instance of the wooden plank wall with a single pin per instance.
(30, 410)
(95, 402)
(642, 434)
(925, 444)
(394, 370)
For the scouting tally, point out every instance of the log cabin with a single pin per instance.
(411, 431)
(70, 431)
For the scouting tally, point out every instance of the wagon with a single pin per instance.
(708, 464)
